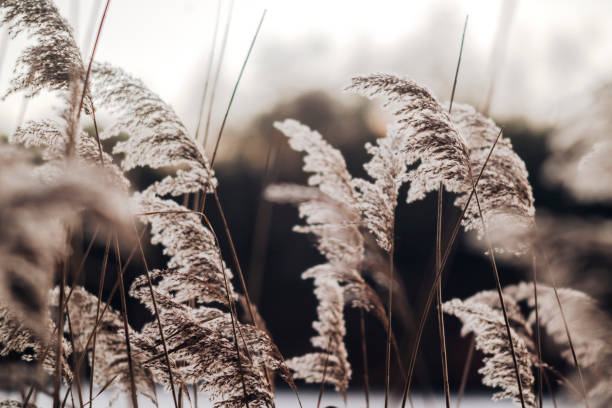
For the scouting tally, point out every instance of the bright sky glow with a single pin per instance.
(556, 50)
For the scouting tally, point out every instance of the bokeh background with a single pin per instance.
(534, 66)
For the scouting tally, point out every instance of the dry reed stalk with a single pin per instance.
(97, 323)
(100, 289)
(58, 351)
(217, 73)
(502, 303)
(567, 331)
(364, 354)
(443, 353)
(231, 101)
(466, 371)
(234, 318)
(439, 241)
(537, 325)
(438, 276)
(86, 83)
(209, 64)
(77, 375)
(156, 313)
(324, 375)
(262, 225)
(133, 390)
(389, 317)
(240, 275)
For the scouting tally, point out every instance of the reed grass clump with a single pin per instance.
(58, 181)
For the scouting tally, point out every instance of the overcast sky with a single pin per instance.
(556, 50)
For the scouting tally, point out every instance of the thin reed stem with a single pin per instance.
(441, 333)
(240, 274)
(218, 72)
(458, 64)
(550, 391)
(101, 315)
(325, 365)
(553, 281)
(100, 289)
(537, 330)
(262, 226)
(60, 337)
(500, 43)
(434, 285)
(501, 301)
(364, 356)
(156, 312)
(86, 81)
(87, 38)
(89, 339)
(231, 101)
(126, 326)
(211, 56)
(233, 316)
(77, 374)
(439, 265)
(466, 370)
(389, 317)
(91, 59)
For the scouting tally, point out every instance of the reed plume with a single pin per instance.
(332, 211)
(446, 148)
(111, 353)
(49, 137)
(498, 371)
(504, 191)
(330, 364)
(34, 215)
(433, 139)
(590, 327)
(201, 344)
(197, 270)
(157, 137)
(54, 61)
(17, 338)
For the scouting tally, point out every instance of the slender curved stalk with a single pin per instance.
(501, 301)
(100, 289)
(537, 333)
(231, 101)
(211, 56)
(262, 226)
(466, 371)
(86, 81)
(126, 326)
(229, 105)
(550, 390)
(156, 312)
(324, 373)
(567, 331)
(240, 274)
(389, 317)
(364, 356)
(234, 318)
(60, 337)
(90, 337)
(93, 53)
(433, 288)
(218, 72)
(77, 374)
(441, 333)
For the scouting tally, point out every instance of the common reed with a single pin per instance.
(56, 180)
